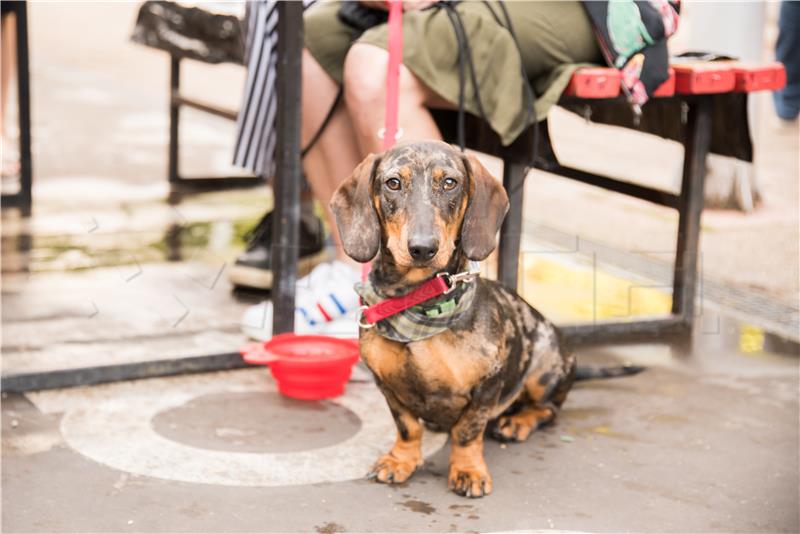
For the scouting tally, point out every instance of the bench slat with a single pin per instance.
(697, 78)
(753, 77)
(594, 82)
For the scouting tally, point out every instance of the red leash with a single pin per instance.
(441, 284)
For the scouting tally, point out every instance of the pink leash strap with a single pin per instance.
(392, 84)
(393, 72)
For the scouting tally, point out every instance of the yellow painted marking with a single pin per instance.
(564, 291)
(751, 339)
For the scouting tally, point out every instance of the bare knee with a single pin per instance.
(365, 76)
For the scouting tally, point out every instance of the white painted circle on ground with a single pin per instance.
(112, 426)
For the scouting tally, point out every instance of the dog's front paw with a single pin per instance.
(472, 482)
(392, 470)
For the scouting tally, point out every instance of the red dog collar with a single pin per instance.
(440, 284)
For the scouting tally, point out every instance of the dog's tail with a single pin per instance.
(590, 373)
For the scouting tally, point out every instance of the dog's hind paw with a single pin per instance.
(391, 470)
(507, 429)
(472, 483)
(519, 426)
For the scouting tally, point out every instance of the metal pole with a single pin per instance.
(174, 117)
(285, 232)
(24, 92)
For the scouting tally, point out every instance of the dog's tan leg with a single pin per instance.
(469, 476)
(400, 463)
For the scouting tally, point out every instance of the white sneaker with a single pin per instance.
(325, 303)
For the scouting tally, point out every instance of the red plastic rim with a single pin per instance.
(310, 349)
(306, 366)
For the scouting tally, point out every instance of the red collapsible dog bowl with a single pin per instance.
(306, 367)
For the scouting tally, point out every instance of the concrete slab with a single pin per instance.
(699, 443)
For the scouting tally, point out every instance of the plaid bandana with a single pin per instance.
(423, 320)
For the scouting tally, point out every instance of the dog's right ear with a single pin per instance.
(355, 212)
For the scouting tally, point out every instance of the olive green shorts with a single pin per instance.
(555, 39)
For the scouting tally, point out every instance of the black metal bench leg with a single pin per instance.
(174, 117)
(511, 231)
(690, 207)
(285, 235)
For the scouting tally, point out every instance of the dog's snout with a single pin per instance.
(423, 249)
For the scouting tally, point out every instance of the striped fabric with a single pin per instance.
(255, 126)
(328, 308)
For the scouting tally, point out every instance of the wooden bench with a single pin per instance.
(693, 85)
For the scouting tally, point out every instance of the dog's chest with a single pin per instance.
(430, 377)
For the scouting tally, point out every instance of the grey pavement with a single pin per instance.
(706, 442)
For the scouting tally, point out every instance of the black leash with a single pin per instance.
(324, 124)
(532, 118)
(464, 53)
(465, 56)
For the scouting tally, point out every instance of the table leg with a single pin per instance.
(690, 206)
(23, 90)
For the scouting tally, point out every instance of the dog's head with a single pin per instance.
(419, 202)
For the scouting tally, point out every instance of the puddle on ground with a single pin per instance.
(604, 430)
(192, 241)
(420, 507)
(330, 528)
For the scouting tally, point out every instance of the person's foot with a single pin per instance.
(254, 267)
(325, 303)
(787, 109)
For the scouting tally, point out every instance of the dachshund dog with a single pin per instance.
(426, 208)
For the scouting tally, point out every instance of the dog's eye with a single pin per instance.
(393, 184)
(449, 184)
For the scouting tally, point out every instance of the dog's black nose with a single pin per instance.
(422, 250)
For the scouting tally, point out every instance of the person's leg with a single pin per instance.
(787, 51)
(335, 153)
(10, 163)
(7, 65)
(365, 97)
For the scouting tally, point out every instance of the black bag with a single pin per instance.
(361, 18)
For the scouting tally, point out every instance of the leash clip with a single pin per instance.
(361, 323)
(453, 280)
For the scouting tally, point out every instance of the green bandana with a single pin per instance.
(423, 320)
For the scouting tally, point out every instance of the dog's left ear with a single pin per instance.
(355, 213)
(487, 207)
